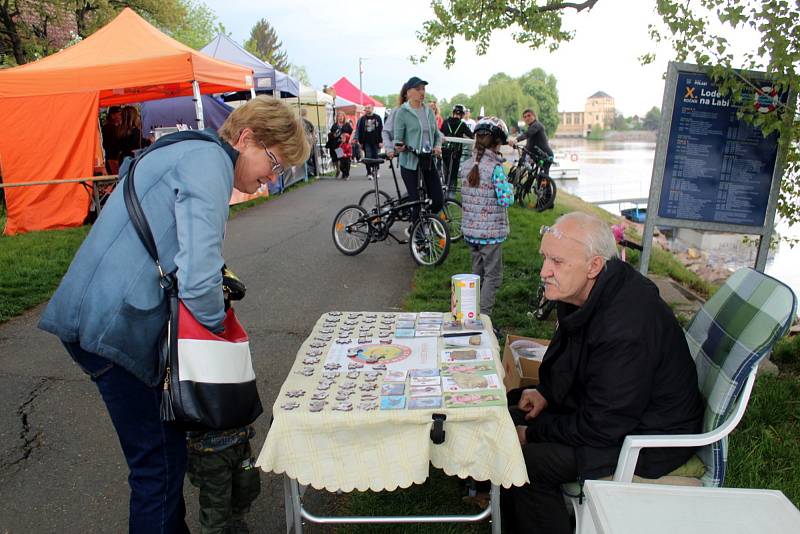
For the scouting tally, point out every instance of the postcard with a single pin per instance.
(470, 382)
(406, 316)
(473, 367)
(465, 354)
(393, 389)
(451, 326)
(404, 324)
(474, 399)
(395, 376)
(421, 403)
(425, 391)
(423, 372)
(404, 332)
(430, 315)
(473, 324)
(393, 402)
(426, 333)
(424, 381)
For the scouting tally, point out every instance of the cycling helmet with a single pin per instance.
(458, 108)
(494, 127)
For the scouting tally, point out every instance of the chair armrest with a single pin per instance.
(629, 454)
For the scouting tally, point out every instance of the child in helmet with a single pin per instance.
(486, 196)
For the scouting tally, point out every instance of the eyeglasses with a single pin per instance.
(277, 168)
(558, 234)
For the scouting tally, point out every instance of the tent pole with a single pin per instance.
(198, 105)
(252, 92)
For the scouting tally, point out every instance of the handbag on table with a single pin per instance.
(208, 378)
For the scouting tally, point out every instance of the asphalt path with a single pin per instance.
(61, 466)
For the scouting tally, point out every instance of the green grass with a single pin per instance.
(763, 451)
(34, 263)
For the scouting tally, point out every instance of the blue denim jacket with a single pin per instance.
(110, 300)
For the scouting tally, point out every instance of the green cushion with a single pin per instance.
(693, 468)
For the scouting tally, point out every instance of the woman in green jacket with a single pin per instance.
(415, 127)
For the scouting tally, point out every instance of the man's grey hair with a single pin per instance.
(594, 233)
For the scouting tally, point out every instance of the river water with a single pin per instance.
(611, 170)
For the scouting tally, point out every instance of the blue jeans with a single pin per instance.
(155, 452)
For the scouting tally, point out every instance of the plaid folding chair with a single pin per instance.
(727, 338)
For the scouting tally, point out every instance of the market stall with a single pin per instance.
(51, 107)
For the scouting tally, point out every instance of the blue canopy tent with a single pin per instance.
(225, 48)
(287, 85)
(181, 110)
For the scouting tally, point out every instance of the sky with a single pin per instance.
(327, 38)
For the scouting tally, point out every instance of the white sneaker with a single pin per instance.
(407, 231)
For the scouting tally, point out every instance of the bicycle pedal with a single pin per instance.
(403, 242)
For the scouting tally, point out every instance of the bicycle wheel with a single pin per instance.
(523, 188)
(429, 241)
(351, 231)
(452, 216)
(545, 193)
(367, 200)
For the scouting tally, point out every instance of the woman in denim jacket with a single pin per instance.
(110, 311)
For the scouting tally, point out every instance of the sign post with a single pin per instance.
(712, 170)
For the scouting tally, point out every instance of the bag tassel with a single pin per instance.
(167, 413)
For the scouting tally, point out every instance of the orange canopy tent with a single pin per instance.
(49, 111)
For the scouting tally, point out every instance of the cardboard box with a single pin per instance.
(527, 374)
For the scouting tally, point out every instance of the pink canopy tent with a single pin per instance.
(347, 91)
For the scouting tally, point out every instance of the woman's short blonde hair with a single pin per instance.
(273, 123)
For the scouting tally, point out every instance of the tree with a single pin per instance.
(619, 122)
(198, 27)
(264, 43)
(652, 119)
(300, 72)
(504, 99)
(695, 28)
(475, 20)
(543, 88)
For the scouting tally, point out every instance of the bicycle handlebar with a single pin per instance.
(537, 153)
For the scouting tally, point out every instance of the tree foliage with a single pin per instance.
(652, 119)
(31, 30)
(532, 22)
(697, 31)
(264, 43)
(300, 72)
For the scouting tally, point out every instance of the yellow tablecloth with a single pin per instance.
(381, 450)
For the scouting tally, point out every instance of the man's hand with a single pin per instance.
(437, 151)
(532, 402)
(521, 431)
(390, 154)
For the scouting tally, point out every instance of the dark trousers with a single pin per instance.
(451, 157)
(228, 482)
(371, 152)
(432, 184)
(155, 452)
(539, 507)
(344, 166)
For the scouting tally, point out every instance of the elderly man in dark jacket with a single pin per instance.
(618, 364)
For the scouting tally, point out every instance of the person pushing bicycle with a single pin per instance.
(536, 137)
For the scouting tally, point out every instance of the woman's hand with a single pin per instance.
(532, 402)
(437, 151)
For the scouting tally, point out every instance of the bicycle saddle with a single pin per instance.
(372, 161)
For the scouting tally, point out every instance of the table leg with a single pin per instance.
(494, 503)
(291, 497)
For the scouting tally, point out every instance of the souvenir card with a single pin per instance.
(422, 321)
(470, 382)
(424, 381)
(393, 402)
(389, 315)
(422, 403)
(463, 341)
(423, 372)
(345, 406)
(472, 367)
(393, 389)
(406, 317)
(425, 391)
(474, 398)
(290, 405)
(451, 326)
(426, 333)
(430, 315)
(395, 376)
(404, 332)
(368, 405)
(473, 324)
(461, 355)
(294, 393)
(369, 397)
(404, 324)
